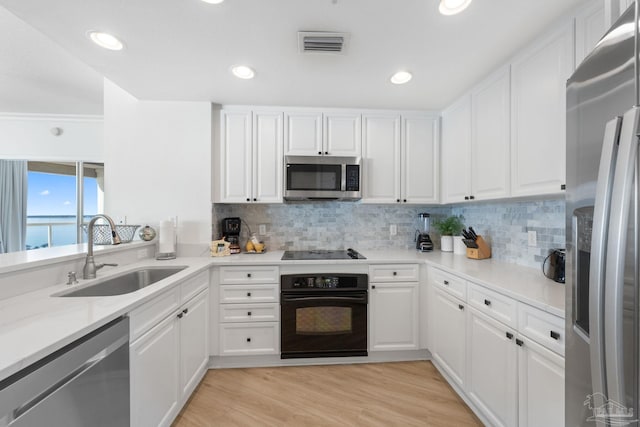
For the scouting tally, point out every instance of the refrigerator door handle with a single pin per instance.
(623, 184)
(598, 251)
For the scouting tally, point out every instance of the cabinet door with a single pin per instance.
(420, 160)
(267, 157)
(381, 158)
(541, 386)
(154, 375)
(342, 135)
(456, 158)
(194, 342)
(303, 133)
(492, 374)
(449, 335)
(538, 110)
(590, 27)
(235, 157)
(490, 126)
(394, 316)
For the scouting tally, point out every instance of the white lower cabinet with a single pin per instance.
(167, 362)
(541, 386)
(154, 375)
(492, 372)
(449, 335)
(502, 355)
(394, 316)
(248, 310)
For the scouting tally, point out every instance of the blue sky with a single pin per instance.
(52, 194)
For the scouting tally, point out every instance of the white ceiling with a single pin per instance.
(38, 76)
(182, 49)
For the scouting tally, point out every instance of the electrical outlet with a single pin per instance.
(262, 229)
(393, 230)
(533, 238)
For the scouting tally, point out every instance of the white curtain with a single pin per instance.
(13, 205)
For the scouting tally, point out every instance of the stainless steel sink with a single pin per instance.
(124, 283)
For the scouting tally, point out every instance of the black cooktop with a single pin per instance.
(322, 254)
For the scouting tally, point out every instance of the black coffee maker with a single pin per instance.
(553, 265)
(231, 232)
(423, 241)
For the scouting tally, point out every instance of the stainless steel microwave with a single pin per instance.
(322, 178)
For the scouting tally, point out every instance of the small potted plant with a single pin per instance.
(448, 227)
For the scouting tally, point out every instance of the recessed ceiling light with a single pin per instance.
(213, 1)
(243, 72)
(451, 7)
(105, 40)
(401, 77)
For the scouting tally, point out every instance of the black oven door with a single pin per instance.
(323, 324)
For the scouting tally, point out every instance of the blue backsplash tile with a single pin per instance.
(341, 225)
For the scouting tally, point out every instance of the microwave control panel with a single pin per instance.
(353, 178)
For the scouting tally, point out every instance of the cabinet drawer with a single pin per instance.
(249, 293)
(233, 275)
(191, 287)
(249, 312)
(496, 305)
(393, 273)
(448, 282)
(151, 313)
(249, 338)
(542, 327)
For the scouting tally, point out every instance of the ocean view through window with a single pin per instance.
(52, 202)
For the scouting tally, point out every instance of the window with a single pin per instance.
(53, 204)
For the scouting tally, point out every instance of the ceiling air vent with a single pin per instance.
(322, 42)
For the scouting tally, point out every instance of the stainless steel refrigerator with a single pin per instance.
(602, 320)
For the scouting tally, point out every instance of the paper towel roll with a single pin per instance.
(167, 242)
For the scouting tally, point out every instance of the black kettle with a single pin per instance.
(555, 268)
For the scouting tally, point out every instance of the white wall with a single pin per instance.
(29, 137)
(158, 164)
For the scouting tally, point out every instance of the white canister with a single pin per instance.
(446, 243)
(459, 248)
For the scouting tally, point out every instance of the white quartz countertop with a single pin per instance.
(525, 284)
(35, 324)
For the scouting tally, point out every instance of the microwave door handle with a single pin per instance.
(623, 184)
(343, 177)
(598, 250)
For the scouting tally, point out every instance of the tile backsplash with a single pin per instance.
(340, 225)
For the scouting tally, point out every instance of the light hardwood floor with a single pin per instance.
(374, 394)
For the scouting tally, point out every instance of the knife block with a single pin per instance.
(483, 251)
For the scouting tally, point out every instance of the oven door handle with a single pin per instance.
(358, 299)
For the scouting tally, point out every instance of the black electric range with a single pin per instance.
(322, 255)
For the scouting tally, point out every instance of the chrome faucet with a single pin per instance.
(90, 267)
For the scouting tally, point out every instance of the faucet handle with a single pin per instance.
(72, 280)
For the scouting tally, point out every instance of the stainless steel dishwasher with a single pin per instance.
(83, 384)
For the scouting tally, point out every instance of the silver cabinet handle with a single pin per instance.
(623, 184)
(598, 251)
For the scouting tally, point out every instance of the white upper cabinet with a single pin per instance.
(235, 157)
(342, 134)
(590, 27)
(490, 137)
(251, 157)
(538, 109)
(303, 133)
(420, 160)
(400, 158)
(381, 158)
(268, 165)
(475, 143)
(328, 133)
(456, 147)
